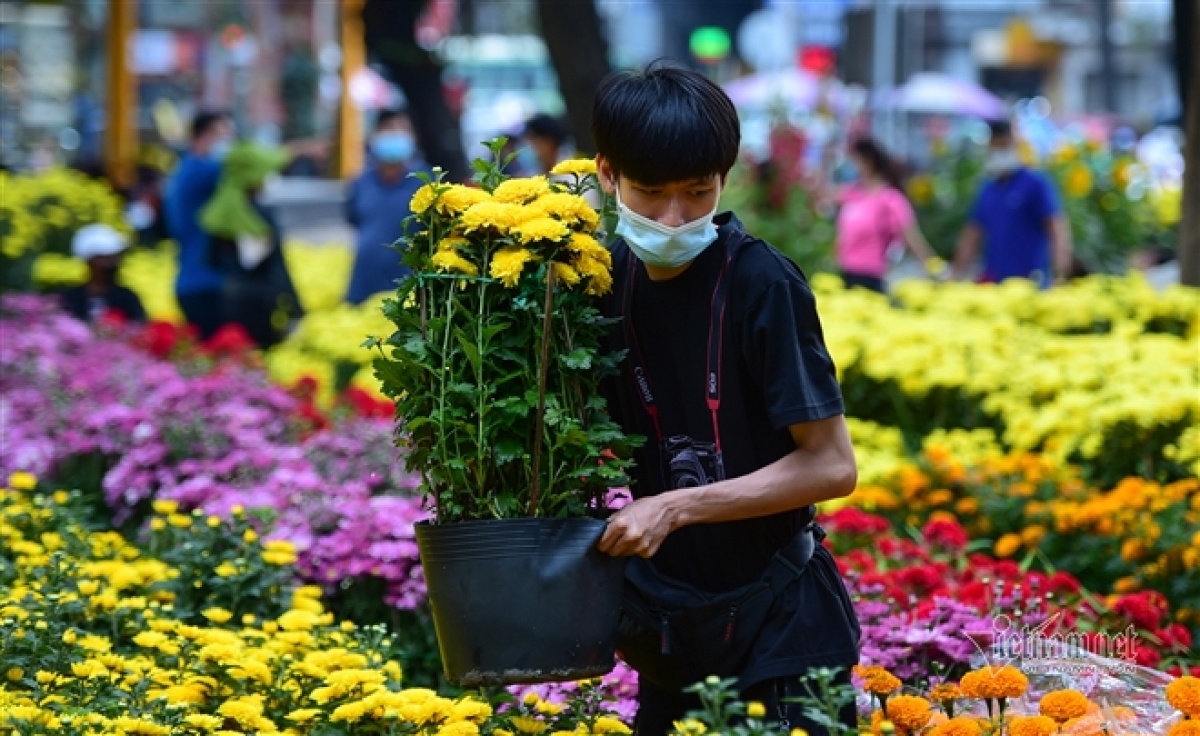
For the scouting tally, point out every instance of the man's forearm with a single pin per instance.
(966, 250)
(1060, 231)
(798, 479)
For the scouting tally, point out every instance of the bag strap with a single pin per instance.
(716, 338)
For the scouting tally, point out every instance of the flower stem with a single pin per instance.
(543, 371)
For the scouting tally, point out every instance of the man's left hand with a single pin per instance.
(637, 529)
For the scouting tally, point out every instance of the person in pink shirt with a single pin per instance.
(874, 214)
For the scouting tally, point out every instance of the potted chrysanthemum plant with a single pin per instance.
(495, 365)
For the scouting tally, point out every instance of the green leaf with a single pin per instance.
(469, 350)
(578, 359)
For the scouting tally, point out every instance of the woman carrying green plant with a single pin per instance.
(247, 246)
(728, 376)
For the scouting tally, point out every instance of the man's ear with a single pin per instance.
(606, 175)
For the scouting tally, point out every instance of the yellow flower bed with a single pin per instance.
(94, 640)
(977, 356)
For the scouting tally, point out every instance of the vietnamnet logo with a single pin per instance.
(1043, 649)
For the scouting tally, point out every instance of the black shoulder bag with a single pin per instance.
(672, 633)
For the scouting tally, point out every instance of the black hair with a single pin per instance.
(882, 164)
(1000, 128)
(665, 123)
(390, 115)
(544, 126)
(205, 121)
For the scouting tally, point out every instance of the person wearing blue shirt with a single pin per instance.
(1018, 220)
(198, 285)
(377, 204)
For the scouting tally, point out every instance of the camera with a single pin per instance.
(690, 464)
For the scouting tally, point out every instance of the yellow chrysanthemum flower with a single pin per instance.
(585, 244)
(453, 243)
(521, 191)
(599, 277)
(565, 275)
(457, 199)
(540, 230)
(449, 261)
(508, 263)
(498, 217)
(422, 199)
(571, 209)
(1063, 705)
(575, 166)
(217, 615)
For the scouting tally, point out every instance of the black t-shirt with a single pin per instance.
(88, 307)
(774, 372)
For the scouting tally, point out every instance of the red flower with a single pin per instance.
(1144, 609)
(1145, 656)
(921, 579)
(946, 534)
(851, 521)
(1006, 569)
(231, 339)
(159, 338)
(113, 319)
(1176, 636)
(366, 405)
(305, 387)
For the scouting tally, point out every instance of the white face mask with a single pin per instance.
(1002, 161)
(656, 244)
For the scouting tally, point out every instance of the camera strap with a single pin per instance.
(716, 336)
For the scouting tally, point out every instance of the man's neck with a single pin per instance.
(391, 173)
(665, 273)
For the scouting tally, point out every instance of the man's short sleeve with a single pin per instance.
(784, 348)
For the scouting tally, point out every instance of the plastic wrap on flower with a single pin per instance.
(1123, 698)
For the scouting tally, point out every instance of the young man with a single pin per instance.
(198, 285)
(728, 378)
(1017, 216)
(101, 247)
(377, 204)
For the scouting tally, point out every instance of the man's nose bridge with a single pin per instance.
(674, 216)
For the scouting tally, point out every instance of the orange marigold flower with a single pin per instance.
(909, 713)
(877, 680)
(960, 726)
(994, 682)
(1063, 705)
(946, 693)
(1184, 695)
(1032, 726)
(1185, 728)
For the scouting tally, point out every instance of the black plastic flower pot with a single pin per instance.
(521, 601)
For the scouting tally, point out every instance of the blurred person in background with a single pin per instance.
(246, 246)
(543, 143)
(101, 247)
(874, 214)
(1016, 219)
(198, 285)
(378, 202)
